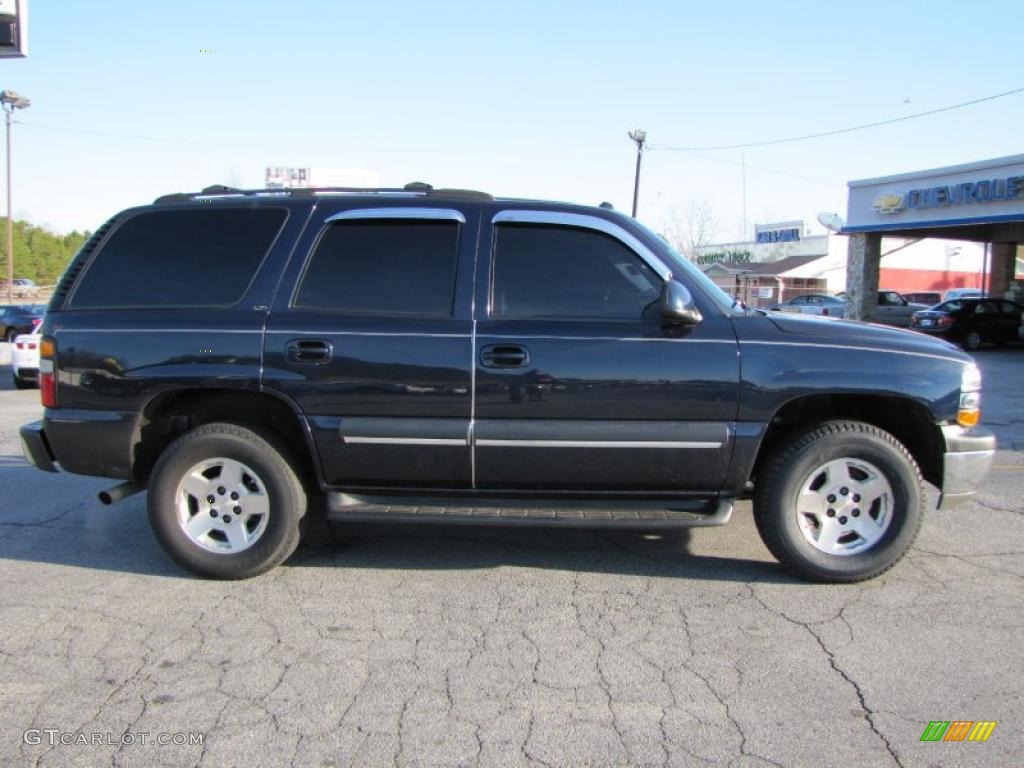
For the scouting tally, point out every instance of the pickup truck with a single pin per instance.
(255, 358)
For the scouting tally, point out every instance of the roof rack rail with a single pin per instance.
(413, 189)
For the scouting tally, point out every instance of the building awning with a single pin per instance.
(982, 201)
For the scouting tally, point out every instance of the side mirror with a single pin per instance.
(677, 307)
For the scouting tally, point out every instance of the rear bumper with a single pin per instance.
(967, 460)
(37, 451)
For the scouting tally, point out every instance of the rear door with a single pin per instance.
(370, 335)
(578, 386)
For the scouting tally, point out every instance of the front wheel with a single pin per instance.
(840, 502)
(225, 503)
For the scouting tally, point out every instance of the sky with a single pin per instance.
(524, 99)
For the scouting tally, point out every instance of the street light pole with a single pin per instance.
(10, 102)
(640, 137)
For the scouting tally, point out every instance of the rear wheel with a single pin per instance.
(840, 502)
(10, 335)
(225, 502)
(973, 340)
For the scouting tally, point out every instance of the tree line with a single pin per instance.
(39, 254)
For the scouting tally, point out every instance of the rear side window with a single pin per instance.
(383, 267)
(183, 258)
(567, 273)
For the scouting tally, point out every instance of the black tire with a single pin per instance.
(792, 464)
(973, 340)
(11, 335)
(264, 454)
(20, 383)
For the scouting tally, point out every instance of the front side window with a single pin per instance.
(180, 258)
(553, 272)
(382, 267)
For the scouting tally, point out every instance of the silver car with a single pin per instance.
(821, 304)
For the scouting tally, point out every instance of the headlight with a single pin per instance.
(970, 379)
(969, 412)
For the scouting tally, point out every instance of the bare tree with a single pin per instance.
(689, 228)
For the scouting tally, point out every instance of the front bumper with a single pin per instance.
(35, 447)
(968, 458)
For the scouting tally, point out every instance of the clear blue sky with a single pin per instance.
(520, 98)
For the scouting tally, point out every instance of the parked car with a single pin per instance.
(16, 319)
(25, 360)
(820, 304)
(894, 309)
(928, 298)
(23, 287)
(963, 293)
(424, 355)
(972, 321)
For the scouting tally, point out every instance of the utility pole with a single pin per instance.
(640, 137)
(743, 165)
(10, 102)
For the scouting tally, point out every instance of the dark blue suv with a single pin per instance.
(421, 355)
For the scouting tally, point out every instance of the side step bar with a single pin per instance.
(577, 513)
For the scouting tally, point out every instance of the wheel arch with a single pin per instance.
(906, 419)
(173, 412)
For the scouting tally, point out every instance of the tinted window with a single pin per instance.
(396, 267)
(189, 258)
(566, 273)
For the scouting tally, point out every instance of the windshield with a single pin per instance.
(680, 265)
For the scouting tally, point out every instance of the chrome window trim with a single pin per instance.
(433, 214)
(584, 221)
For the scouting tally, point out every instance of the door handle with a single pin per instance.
(309, 350)
(504, 356)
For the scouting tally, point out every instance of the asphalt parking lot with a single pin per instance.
(462, 646)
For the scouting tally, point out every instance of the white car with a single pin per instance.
(25, 360)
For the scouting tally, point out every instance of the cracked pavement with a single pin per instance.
(457, 646)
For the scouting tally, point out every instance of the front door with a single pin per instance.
(578, 386)
(373, 344)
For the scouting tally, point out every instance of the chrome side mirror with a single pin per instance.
(677, 307)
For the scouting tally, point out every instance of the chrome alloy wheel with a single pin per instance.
(845, 506)
(222, 506)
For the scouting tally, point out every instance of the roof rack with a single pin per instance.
(413, 189)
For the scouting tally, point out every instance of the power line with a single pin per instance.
(761, 168)
(951, 107)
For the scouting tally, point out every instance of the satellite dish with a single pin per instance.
(833, 222)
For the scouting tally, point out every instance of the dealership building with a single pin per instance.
(927, 231)
(979, 205)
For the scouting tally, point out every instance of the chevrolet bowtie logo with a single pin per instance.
(888, 204)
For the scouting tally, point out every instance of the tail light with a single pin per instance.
(48, 372)
(945, 321)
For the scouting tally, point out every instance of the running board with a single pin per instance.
(577, 513)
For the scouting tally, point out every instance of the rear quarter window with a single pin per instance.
(179, 258)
